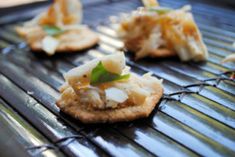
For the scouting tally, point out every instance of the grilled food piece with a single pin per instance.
(229, 58)
(162, 32)
(58, 29)
(103, 90)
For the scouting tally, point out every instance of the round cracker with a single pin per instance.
(71, 41)
(109, 115)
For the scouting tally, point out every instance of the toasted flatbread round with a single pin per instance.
(69, 105)
(71, 41)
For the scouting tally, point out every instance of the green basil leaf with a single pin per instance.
(100, 75)
(52, 30)
(160, 10)
(122, 77)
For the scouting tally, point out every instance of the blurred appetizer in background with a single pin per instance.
(157, 31)
(104, 90)
(58, 29)
(229, 58)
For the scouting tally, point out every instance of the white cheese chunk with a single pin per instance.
(49, 45)
(115, 94)
(76, 75)
(114, 63)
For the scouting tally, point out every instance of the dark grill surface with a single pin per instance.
(196, 117)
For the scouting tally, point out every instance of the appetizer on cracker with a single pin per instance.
(229, 58)
(156, 31)
(58, 29)
(104, 90)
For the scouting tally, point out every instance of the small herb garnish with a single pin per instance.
(52, 30)
(100, 75)
(160, 10)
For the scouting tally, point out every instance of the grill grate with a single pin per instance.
(195, 117)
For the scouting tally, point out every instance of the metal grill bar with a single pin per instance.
(45, 121)
(195, 117)
(23, 133)
(23, 79)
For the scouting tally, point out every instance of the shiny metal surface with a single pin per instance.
(196, 117)
(19, 135)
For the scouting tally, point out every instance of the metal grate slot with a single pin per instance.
(194, 118)
(22, 133)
